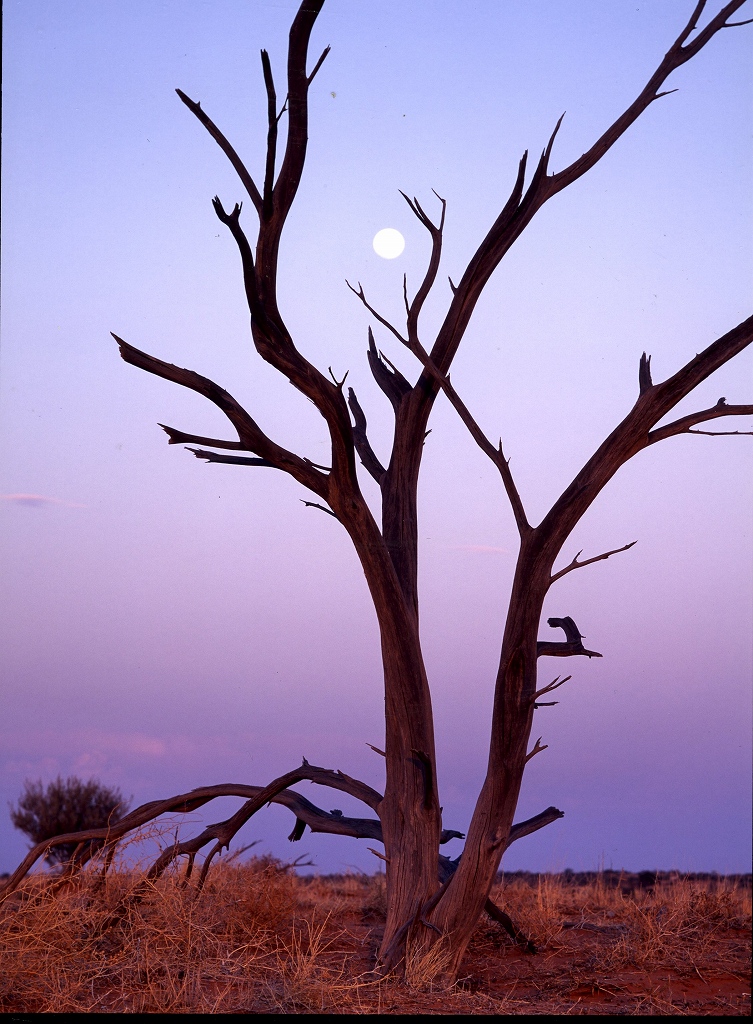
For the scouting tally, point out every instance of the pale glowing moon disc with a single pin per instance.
(388, 243)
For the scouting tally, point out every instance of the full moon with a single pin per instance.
(388, 243)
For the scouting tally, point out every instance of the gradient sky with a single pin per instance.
(168, 624)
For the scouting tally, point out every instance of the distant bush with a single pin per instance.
(65, 806)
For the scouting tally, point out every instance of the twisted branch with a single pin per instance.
(185, 803)
(572, 646)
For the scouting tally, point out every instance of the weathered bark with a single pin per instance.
(427, 896)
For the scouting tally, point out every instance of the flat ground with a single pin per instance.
(259, 939)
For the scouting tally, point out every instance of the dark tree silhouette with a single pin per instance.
(430, 898)
(63, 807)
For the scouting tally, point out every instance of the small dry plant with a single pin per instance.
(677, 925)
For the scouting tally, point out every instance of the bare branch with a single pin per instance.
(376, 749)
(554, 685)
(232, 460)
(480, 268)
(250, 434)
(223, 832)
(272, 119)
(322, 508)
(256, 797)
(326, 822)
(326, 469)
(716, 23)
(217, 848)
(723, 433)
(388, 377)
(238, 851)
(676, 56)
(227, 149)
(525, 828)
(298, 84)
(635, 432)
(318, 64)
(346, 784)
(250, 282)
(366, 453)
(575, 564)
(537, 748)
(521, 208)
(497, 914)
(275, 345)
(644, 373)
(571, 647)
(413, 309)
(178, 437)
(338, 383)
(495, 454)
(683, 425)
(385, 323)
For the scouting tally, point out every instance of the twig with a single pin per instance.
(315, 504)
(575, 564)
(226, 148)
(555, 683)
(537, 748)
(359, 292)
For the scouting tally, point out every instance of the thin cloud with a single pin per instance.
(38, 500)
(91, 745)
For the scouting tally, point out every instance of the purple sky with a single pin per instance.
(168, 624)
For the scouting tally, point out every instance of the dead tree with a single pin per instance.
(430, 898)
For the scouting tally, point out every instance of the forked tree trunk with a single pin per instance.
(420, 911)
(423, 909)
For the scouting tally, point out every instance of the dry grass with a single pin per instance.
(259, 939)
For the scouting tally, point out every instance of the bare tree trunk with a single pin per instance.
(421, 911)
(512, 718)
(409, 813)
